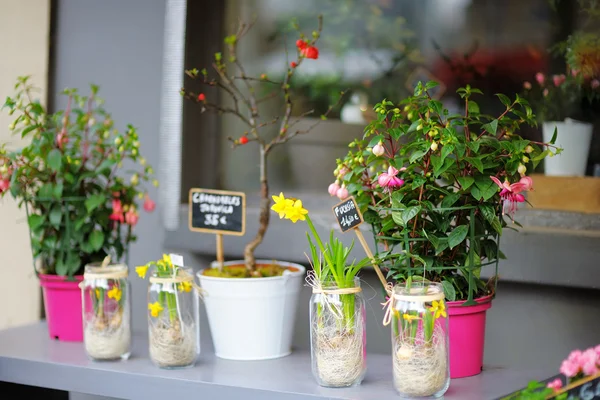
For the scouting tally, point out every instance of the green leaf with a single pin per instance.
(457, 236)
(491, 127)
(450, 200)
(488, 212)
(436, 106)
(431, 85)
(554, 135)
(476, 162)
(473, 107)
(96, 240)
(449, 290)
(504, 99)
(54, 159)
(484, 188)
(437, 162)
(418, 182)
(92, 202)
(58, 190)
(27, 130)
(35, 221)
(397, 200)
(397, 217)
(465, 181)
(520, 145)
(447, 149)
(61, 268)
(447, 164)
(55, 215)
(375, 140)
(417, 155)
(439, 244)
(410, 213)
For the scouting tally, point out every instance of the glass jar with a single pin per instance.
(173, 320)
(421, 361)
(338, 335)
(106, 310)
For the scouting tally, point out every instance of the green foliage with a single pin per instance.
(444, 222)
(67, 175)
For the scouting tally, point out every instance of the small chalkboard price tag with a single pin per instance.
(585, 389)
(217, 211)
(347, 214)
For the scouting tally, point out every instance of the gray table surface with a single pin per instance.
(28, 356)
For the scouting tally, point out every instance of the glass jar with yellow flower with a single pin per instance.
(106, 311)
(417, 311)
(173, 313)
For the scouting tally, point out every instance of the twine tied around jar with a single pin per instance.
(179, 277)
(317, 287)
(106, 271)
(415, 294)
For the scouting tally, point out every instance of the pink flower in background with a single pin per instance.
(559, 79)
(511, 194)
(389, 179)
(540, 78)
(131, 217)
(555, 384)
(589, 362)
(117, 211)
(545, 92)
(62, 139)
(149, 204)
(4, 185)
(574, 72)
(569, 368)
(342, 193)
(343, 171)
(527, 85)
(333, 188)
(595, 84)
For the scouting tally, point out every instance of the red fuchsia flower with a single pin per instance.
(342, 193)
(595, 84)
(62, 139)
(511, 194)
(301, 44)
(310, 52)
(559, 79)
(4, 185)
(555, 384)
(540, 78)
(117, 211)
(333, 188)
(149, 205)
(201, 97)
(131, 217)
(293, 64)
(527, 85)
(388, 180)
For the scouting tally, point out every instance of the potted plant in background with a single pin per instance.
(337, 306)
(558, 101)
(258, 295)
(79, 209)
(438, 202)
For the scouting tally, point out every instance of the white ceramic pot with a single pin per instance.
(574, 137)
(253, 318)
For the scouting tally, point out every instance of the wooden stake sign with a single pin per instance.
(349, 217)
(217, 211)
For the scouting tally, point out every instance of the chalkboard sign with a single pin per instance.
(347, 214)
(217, 211)
(585, 389)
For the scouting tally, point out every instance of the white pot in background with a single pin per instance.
(574, 137)
(252, 318)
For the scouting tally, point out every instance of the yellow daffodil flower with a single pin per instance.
(167, 260)
(409, 317)
(281, 205)
(438, 308)
(296, 212)
(97, 293)
(155, 308)
(141, 270)
(115, 293)
(186, 286)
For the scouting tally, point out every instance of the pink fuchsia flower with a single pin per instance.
(569, 368)
(589, 362)
(62, 139)
(574, 72)
(117, 211)
(131, 217)
(545, 92)
(342, 193)
(540, 78)
(4, 185)
(378, 150)
(511, 194)
(527, 85)
(149, 205)
(333, 188)
(556, 384)
(344, 171)
(559, 79)
(389, 179)
(595, 84)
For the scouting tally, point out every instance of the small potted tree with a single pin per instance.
(438, 189)
(257, 296)
(81, 203)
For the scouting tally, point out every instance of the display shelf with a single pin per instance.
(28, 356)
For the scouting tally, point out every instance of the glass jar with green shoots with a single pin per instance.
(417, 311)
(337, 306)
(106, 311)
(173, 314)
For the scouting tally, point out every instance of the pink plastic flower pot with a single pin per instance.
(467, 334)
(62, 302)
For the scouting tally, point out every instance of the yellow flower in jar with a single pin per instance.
(155, 308)
(186, 286)
(115, 293)
(141, 270)
(438, 308)
(410, 317)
